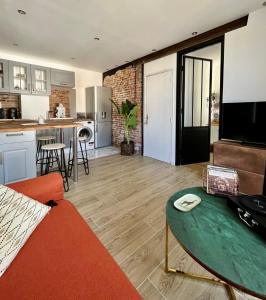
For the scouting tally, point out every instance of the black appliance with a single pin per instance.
(251, 210)
(3, 113)
(244, 121)
(12, 113)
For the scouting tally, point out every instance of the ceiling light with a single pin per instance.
(22, 12)
(97, 38)
(73, 58)
(15, 44)
(153, 50)
(194, 33)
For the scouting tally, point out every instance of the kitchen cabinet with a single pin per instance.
(62, 78)
(40, 80)
(4, 83)
(19, 78)
(17, 156)
(22, 78)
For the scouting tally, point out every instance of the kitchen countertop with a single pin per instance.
(16, 125)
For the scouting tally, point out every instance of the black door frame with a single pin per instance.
(180, 55)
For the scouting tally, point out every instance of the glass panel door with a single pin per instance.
(40, 80)
(196, 92)
(1, 75)
(195, 128)
(4, 85)
(41, 84)
(19, 78)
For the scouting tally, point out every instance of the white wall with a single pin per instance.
(245, 61)
(83, 78)
(33, 106)
(160, 65)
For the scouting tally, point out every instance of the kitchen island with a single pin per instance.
(23, 131)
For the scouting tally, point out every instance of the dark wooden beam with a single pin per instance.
(193, 41)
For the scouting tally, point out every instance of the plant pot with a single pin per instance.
(127, 149)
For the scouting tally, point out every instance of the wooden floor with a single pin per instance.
(123, 200)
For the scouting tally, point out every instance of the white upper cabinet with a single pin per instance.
(41, 80)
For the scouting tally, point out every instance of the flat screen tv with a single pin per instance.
(245, 122)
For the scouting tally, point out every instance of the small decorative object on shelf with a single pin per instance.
(215, 108)
(61, 112)
(41, 120)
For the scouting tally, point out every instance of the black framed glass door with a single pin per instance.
(196, 86)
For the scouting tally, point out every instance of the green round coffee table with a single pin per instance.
(215, 237)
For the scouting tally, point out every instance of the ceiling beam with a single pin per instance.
(193, 41)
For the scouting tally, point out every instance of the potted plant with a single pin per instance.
(128, 112)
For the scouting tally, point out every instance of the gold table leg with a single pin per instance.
(167, 269)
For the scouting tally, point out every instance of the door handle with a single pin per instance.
(103, 114)
(146, 119)
(1, 158)
(14, 134)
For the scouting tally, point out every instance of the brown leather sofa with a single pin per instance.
(249, 161)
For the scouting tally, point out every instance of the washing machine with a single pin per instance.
(86, 133)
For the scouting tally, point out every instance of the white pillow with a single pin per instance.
(19, 216)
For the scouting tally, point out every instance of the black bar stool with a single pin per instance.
(83, 160)
(52, 150)
(43, 140)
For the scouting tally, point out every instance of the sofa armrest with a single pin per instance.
(42, 189)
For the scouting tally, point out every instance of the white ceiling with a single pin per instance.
(61, 29)
(211, 52)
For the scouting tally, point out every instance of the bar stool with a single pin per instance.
(51, 150)
(83, 160)
(43, 140)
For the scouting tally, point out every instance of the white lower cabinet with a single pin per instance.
(17, 156)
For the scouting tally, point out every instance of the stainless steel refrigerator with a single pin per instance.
(99, 108)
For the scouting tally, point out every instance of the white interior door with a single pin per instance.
(158, 115)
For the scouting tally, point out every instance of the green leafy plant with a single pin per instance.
(128, 111)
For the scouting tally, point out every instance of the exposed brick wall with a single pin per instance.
(126, 84)
(10, 100)
(60, 96)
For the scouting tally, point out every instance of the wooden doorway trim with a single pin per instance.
(188, 43)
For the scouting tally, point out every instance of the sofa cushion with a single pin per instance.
(43, 188)
(19, 216)
(65, 260)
